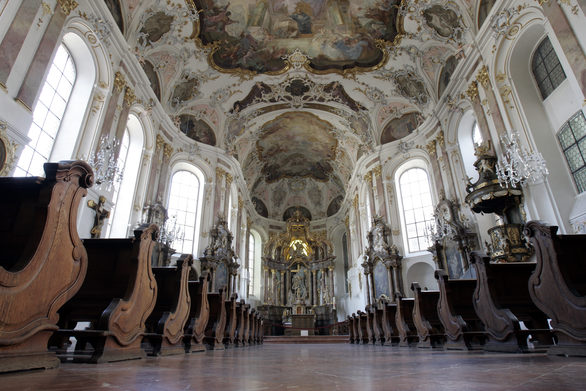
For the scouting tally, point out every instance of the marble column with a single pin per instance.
(39, 67)
(331, 271)
(219, 191)
(282, 299)
(314, 287)
(567, 39)
(367, 287)
(472, 93)
(227, 189)
(357, 223)
(264, 285)
(15, 36)
(435, 167)
(288, 287)
(370, 193)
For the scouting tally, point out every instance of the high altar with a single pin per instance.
(298, 284)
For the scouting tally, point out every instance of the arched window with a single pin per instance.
(129, 159)
(184, 199)
(572, 138)
(417, 207)
(476, 135)
(546, 68)
(48, 114)
(251, 251)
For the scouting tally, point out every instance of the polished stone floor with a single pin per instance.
(316, 367)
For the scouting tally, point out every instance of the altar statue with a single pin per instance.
(298, 285)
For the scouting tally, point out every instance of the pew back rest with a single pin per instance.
(460, 293)
(111, 273)
(571, 259)
(23, 203)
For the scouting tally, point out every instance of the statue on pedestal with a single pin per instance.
(298, 286)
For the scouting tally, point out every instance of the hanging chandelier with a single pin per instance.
(517, 165)
(105, 164)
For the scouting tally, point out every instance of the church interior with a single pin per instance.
(387, 194)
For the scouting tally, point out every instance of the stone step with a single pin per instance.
(311, 339)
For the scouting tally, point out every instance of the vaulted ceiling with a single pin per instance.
(297, 91)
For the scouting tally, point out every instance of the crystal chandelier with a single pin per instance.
(438, 230)
(518, 165)
(171, 232)
(105, 164)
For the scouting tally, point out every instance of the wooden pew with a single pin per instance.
(166, 324)
(357, 328)
(501, 300)
(364, 325)
(262, 330)
(429, 327)
(42, 262)
(256, 326)
(463, 328)
(351, 335)
(558, 285)
(239, 323)
(404, 320)
(214, 334)
(375, 324)
(245, 325)
(199, 313)
(248, 336)
(388, 324)
(231, 321)
(117, 297)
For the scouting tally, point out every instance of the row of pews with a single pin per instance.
(103, 292)
(510, 307)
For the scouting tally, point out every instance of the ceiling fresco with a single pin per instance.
(256, 35)
(297, 144)
(298, 91)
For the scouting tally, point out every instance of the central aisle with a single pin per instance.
(316, 367)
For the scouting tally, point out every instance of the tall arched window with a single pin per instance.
(251, 251)
(546, 67)
(48, 114)
(184, 198)
(476, 135)
(417, 207)
(129, 159)
(572, 138)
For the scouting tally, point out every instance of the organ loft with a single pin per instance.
(208, 193)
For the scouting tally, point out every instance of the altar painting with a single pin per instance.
(334, 35)
(381, 280)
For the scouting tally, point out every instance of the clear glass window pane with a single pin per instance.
(572, 138)
(47, 114)
(417, 210)
(183, 197)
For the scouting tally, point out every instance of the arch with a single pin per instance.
(129, 159)
(466, 143)
(423, 273)
(188, 188)
(60, 108)
(415, 202)
(255, 263)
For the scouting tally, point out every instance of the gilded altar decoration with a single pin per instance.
(452, 238)
(273, 36)
(382, 265)
(219, 258)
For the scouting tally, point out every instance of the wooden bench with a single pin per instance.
(214, 334)
(351, 334)
(42, 263)
(404, 320)
(463, 328)
(388, 324)
(231, 320)
(116, 298)
(364, 326)
(558, 285)
(245, 325)
(427, 323)
(199, 313)
(501, 300)
(261, 332)
(375, 324)
(165, 326)
(239, 323)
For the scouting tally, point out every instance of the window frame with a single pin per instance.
(539, 55)
(576, 143)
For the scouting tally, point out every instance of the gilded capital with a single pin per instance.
(119, 82)
(482, 76)
(67, 6)
(472, 90)
(228, 179)
(219, 173)
(167, 151)
(377, 171)
(368, 177)
(129, 97)
(431, 147)
(160, 142)
(440, 139)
